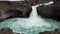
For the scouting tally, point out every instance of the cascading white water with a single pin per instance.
(36, 20)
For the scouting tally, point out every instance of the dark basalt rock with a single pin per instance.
(56, 31)
(49, 11)
(4, 6)
(57, 2)
(56, 10)
(45, 11)
(6, 31)
(14, 9)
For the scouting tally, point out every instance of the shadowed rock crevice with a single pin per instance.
(18, 14)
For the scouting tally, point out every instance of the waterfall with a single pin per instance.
(36, 20)
(33, 21)
(34, 12)
(25, 25)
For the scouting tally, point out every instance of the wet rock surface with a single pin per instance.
(56, 31)
(6, 31)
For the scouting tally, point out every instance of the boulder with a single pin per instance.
(7, 31)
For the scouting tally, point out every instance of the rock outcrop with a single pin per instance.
(49, 11)
(6, 31)
(14, 9)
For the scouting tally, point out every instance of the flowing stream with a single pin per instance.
(32, 25)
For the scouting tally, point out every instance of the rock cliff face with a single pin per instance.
(45, 11)
(50, 11)
(4, 6)
(14, 9)
(56, 31)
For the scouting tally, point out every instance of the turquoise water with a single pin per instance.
(33, 29)
(32, 25)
